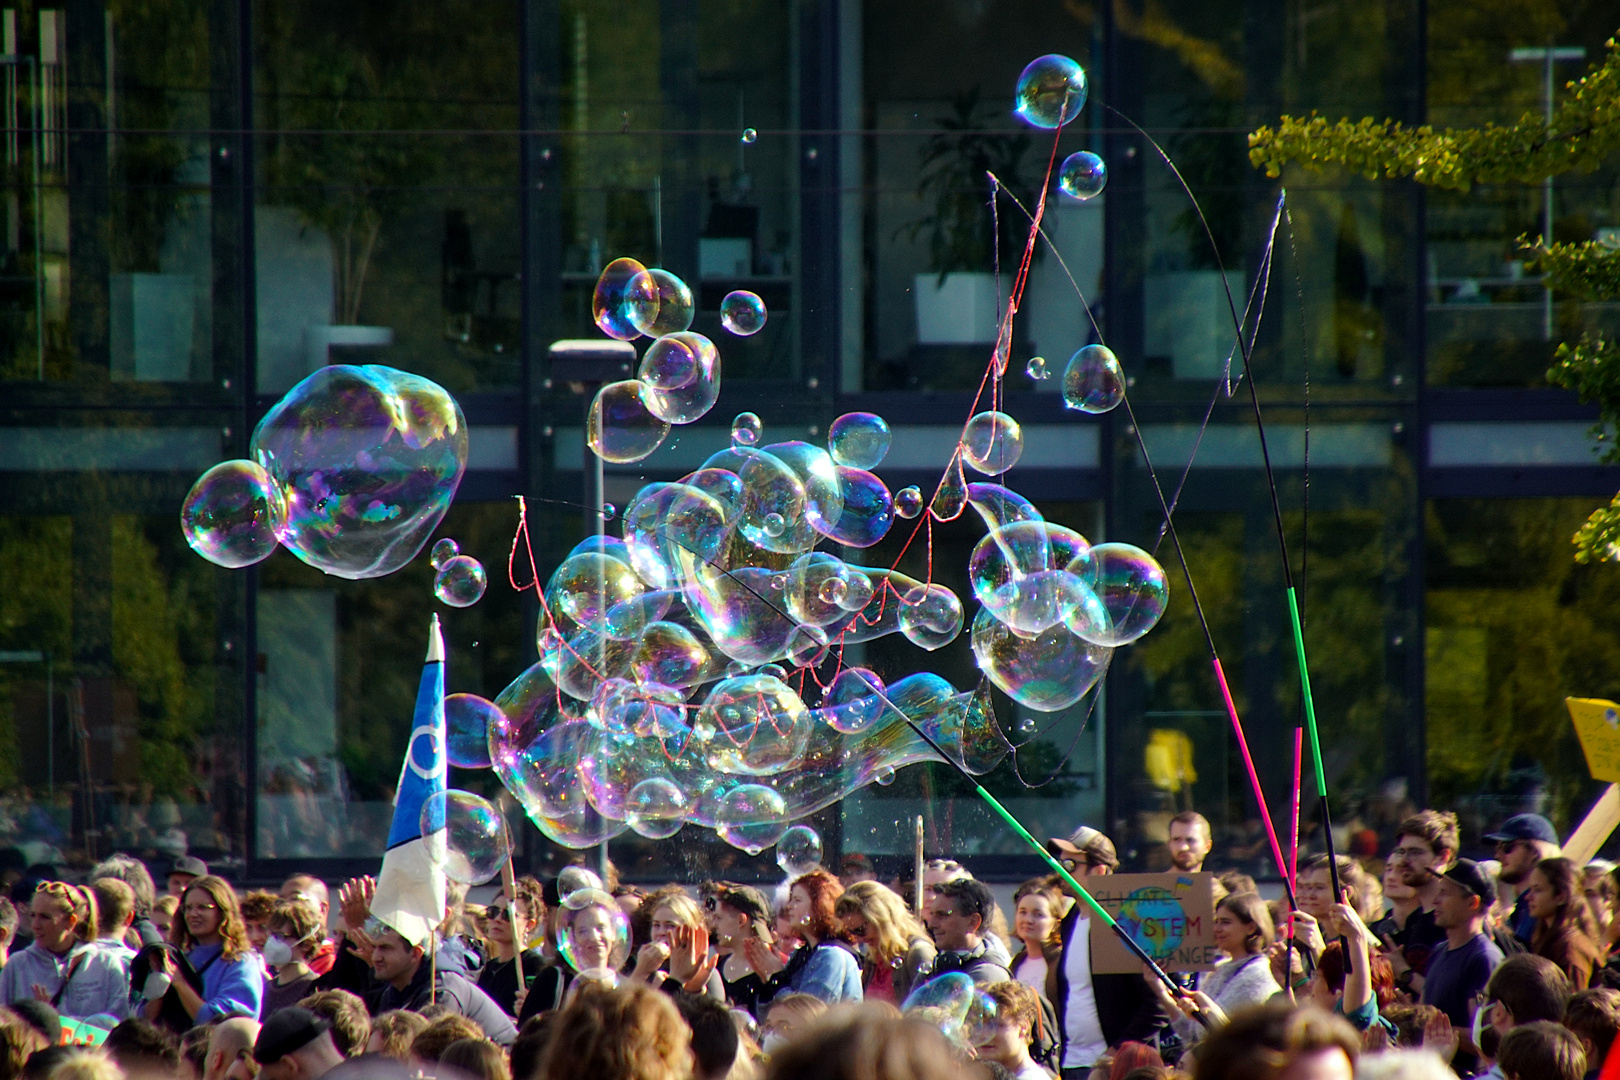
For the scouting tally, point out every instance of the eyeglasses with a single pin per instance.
(1071, 865)
(1411, 853)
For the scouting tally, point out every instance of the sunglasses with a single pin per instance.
(711, 903)
(503, 911)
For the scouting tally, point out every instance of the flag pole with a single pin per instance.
(917, 889)
(519, 934)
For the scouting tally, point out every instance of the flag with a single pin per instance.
(410, 888)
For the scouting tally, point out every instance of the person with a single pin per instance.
(210, 933)
(435, 1039)
(597, 939)
(895, 951)
(1190, 841)
(295, 1044)
(335, 967)
(788, 1015)
(115, 914)
(1523, 989)
(854, 868)
(8, 929)
(957, 916)
(715, 1040)
(1313, 892)
(63, 966)
(228, 1042)
(1523, 841)
(679, 938)
(1005, 1036)
(256, 907)
(936, 871)
(407, 981)
(824, 965)
(475, 1059)
(1094, 1011)
(351, 1023)
(1593, 1017)
(143, 1049)
(164, 909)
(1277, 1041)
(509, 920)
(1037, 905)
(132, 872)
(1564, 932)
(1541, 1051)
(740, 913)
(1242, 930)
(393, 1032)
(1404, 1064)
(632, 1032)
(293, 931)
(1426, 845)
(1462, 968)
(867, 1043)
(183, 872)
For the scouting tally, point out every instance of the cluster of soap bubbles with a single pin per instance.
(962, 1011)
(458, 580)
(351, 471)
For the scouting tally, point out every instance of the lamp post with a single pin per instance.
(1547, 56)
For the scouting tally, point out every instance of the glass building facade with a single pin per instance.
(205, 201)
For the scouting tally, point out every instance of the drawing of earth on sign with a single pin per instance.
(1154, 919)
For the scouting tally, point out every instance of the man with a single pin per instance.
(115, 914)
(956, 918)
(1459, 970)
(1425, 846)
(405, 972)
(337, 968)
(1593, 1017)
(714, 1035)
(1190, 841)
(1522, 842)
(133, 872)
(1524, 989)
(229, 1042)
(295, 1044)
(346, 1012)
(186, 869)
(1094, 1012)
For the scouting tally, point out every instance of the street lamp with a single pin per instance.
(1547, 55)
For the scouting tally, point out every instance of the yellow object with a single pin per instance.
(1168, 759)
(1597, 722)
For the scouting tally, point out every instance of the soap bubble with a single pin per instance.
(1047, 672)
(1134, 590)
(883, 776)
(1051, 91)
(610, 302)
(444, 549)
(620, 427)
(1083, 175)
(368, 459)
(571, 879)
(992, 443)
(467, 720)
(460, 582)
(745, 429)
(749, 135)
(750, 817)
(592, 930)
(799, 851)
(753, 725)
(868, 509)
(908, 501)
(950, 498)
(465, 836)
(656, 808)
(541, 767)
(743, 313)
(1093, 382)
(775, 524)
(680, 375)
(1027, 726)
(1036, 368)
(944, 1001)
(859, 440)
(659, 303)
(233, 513)
(833, 591)
(930, 616)
(588, 586)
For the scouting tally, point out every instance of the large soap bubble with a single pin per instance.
(233, 514)
(465, 836)
(992, 443)
(1047, 672)
(1134, 591)
(751, 817)
(1093, 382)
(620, 427)
(368, 459)
(614, 297)
(658, 303)
(460, 582)
(799, 851)
(859, 440)
(592, 930)
(680, 375)
(467, 720)
(1050, 91)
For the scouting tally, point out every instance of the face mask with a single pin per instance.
(277, 952)
(157, 984)
(1479, 1023)
(773, 1042)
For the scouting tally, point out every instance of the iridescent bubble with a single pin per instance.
(593, 932)
(799, 851)
(233, 513)
(1027, 726)
(751, 817)
(1082, 175)
(465, 836)
(444, 549)
(656, 808)
(541, 770)
(620, 428)
(659, 303)
(944, 1002)
(571, 879)
(868, 509)
(743, 313)
(754, 725)
(816, 477)
(746, 429)
(1051, 91)
(460, 582)
(467, 720)
(1047, 672)
(749, 135)
(587, 587)
(1134, 590)
(950, 498)
(833, 591)
(610, 301)
(609, 511)
(908, 502)
(669, 654)
(680, 375)
(1093, 382)
(852, 703)
(1036, 368)
(368, 459)
(992, 443)
(930, 616)
(775, 524)
(883, 776)
(859, 440)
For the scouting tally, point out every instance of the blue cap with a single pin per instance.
(1524, 827)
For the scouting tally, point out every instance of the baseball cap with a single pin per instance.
(285, 1031)
(1524, 827)
(189, 864)
(747, 900)
(1085, 843)
(1471, 876)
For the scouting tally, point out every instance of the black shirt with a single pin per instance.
(499, 979)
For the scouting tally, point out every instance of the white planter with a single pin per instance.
(320, 339)
(962, 311)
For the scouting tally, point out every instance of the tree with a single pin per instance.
(1583, 132)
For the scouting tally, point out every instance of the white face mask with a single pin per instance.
(157, 984)
(1479, 1023)
(773, 1042)
(277, 952)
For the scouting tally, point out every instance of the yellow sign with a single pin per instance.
(1597, 722)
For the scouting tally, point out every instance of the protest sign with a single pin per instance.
(1171, 916)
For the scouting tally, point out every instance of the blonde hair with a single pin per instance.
(232, 933)
(398, 1029)
(632, 1032)
(683, 907)
(80, 903)
(893, 928)
(86, 1065)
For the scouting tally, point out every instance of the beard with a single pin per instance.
(1417, 876)
(1186, 860)
(1513, 877)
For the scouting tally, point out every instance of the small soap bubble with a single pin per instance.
(746, 429)
(992, 443)
(883, 776)
(833, 591)
(1051, 91)
(1036, 368)
(799, 851)
(1093, 382)
(467, 720)
(749, 135)
(609, 511)
(1083, 175)
(444, 550)
(908, 502)
(465, 836)
(742, 312)
(1027, 726)
(859, 440)
(460, 582)
(775, 525)
(233, 514)
(659, 303)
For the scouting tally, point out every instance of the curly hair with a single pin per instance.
(632, 1032)
(79, 902)
(890, 926)
(232, 932)
(1015, 1002)
(823, 890)
(258, 906)
(300, 919)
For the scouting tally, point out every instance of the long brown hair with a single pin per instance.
(232, 933)
(1247, 907)
(1568, 883)
(824, 891)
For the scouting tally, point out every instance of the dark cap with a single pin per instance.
(1472, 877)
(189, 864)
(286, 1031)
(745, 899)
(1524, 827)
(1085, 843)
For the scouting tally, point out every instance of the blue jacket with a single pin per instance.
(828, 971)
(230, 987)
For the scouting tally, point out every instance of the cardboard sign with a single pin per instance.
(1597, 722)
(1172, 916)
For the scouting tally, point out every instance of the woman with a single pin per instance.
(788, 1015)
(209, 930)
(593, 936)
(163, 914)
(1003, 1034)
(294, 932)
(740, 915)
(1360, 993)
(679, 938)
(63, 967)
(824, 966)
(478, 1059)
(1037, 907)
(1242, 930)
(1600, 896)
(895, 948)
(508, 921)
(1564, 933)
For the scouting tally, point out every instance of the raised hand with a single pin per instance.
(1440, 1037)
(354, 902)
(760, 957)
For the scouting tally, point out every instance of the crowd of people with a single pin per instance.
(1431, 967)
